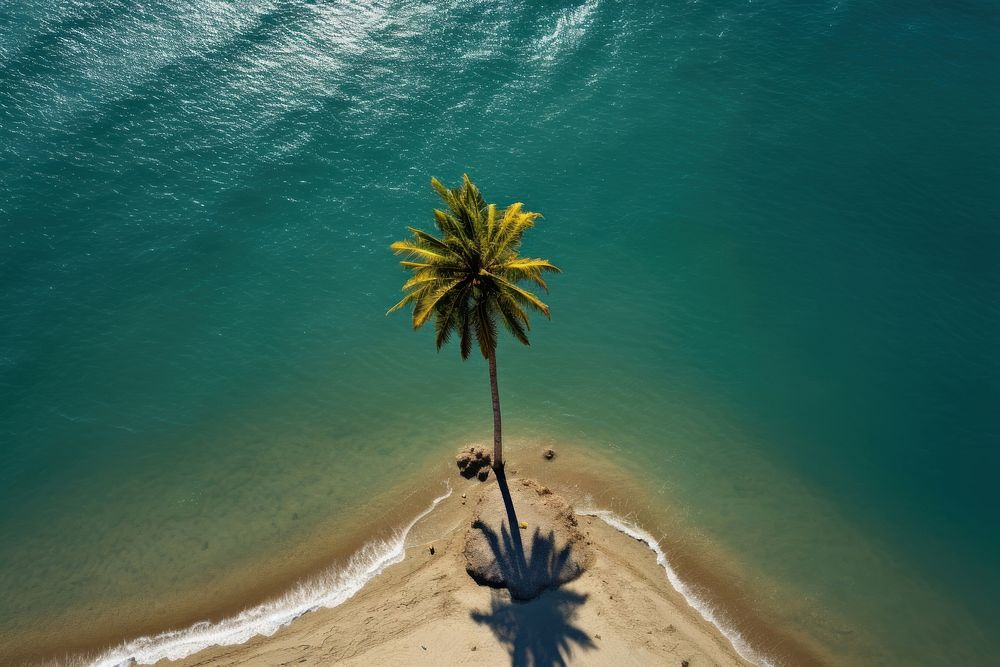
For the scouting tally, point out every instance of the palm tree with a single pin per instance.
(467, 279)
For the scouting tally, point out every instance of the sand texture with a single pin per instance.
(617, 607)
(549, 551)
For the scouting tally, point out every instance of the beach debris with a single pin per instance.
(685, 663)
(549, 454)
(597, 636)
(523, 525)
(432, 550)
(463, 495)
(423, 647)
(474, 461)
(473, 648)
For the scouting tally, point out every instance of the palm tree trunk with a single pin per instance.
(518, 558)
(497, 437)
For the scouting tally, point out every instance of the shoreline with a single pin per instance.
(257, 582)
(426, 609)
(266, 619)
(732, 635)
(368, 564)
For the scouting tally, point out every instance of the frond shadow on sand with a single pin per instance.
(538, 631)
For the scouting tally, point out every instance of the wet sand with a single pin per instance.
(427, 610)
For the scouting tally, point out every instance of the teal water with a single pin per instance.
(779, 225)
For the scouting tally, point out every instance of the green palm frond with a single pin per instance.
(467, 278)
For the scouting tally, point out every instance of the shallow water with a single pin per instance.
(778, 226)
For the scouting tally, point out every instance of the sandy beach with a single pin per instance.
(428, 610)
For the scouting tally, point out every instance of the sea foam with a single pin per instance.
(706, 610)
(337, 586)
(327, 590)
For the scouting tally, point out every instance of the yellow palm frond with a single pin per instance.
(428, 299)
(410, 248)
(467, 279)
(522, 295)
(521, 268)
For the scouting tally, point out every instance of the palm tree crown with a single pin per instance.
(468, 278)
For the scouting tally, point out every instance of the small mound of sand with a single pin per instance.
(546, 550)
(474, 462)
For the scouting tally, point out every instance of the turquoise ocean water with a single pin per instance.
(779, 225)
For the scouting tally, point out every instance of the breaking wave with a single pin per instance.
(706, 610)
(327, 590)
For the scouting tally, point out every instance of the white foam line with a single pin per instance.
(701, 606)
(328, 590)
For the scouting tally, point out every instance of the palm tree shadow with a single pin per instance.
(525, 577)
(539, 632)
(525, 574)
(511, 557)
(534, 624)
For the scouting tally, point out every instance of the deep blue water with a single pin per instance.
(779, 225)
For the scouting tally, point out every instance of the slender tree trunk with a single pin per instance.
(518, 558)
(497, 436)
